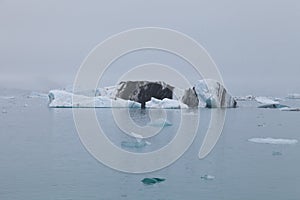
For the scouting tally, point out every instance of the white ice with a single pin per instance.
(273, 141)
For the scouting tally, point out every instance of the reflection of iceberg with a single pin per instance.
(208, 93)
(273, 141)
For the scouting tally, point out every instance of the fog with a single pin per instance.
(255, 44)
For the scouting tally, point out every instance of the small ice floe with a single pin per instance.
(293, 96)
(4, 111)
(289, 109)
(25, 105)
(7, 97)
(277, 105)
(276, 153)
(245, 98)
(207, 177)
(134, 144)
(265, 100)
(161, 122)
(273, 141)
(152, 181)
(261, 125)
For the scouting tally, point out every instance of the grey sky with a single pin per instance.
(254, 43)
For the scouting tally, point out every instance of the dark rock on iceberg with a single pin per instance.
(190, 98)
(143, 91)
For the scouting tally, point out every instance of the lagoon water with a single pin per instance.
(42, 156)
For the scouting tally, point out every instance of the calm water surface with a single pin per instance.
(42, 157)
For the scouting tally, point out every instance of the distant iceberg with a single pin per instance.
(273, 141)
(293, 96)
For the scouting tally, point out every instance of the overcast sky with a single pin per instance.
(256, 44)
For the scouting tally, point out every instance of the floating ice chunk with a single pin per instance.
(139, 138)
(134, 144)
(277, 105)
(63, 99)
(289, 109)
(266, 100)
(207, 177)
(245, 98)
(293, 96)
(214, 94)
(165, 104)
(152, 181)
(161, 122)
(4, 111)
(273, 141)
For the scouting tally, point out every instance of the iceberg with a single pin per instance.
(142, 94)
(273, 141)
(265, 100)
(269, 103)
(63, 99)
(214, 94)
(143, 91)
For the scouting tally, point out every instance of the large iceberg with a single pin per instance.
(214, 94)
(142, 94)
